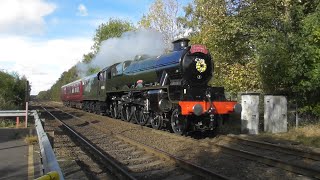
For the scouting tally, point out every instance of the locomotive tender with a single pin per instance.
(168, 90)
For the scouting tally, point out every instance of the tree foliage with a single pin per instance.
(287, 48)
(13, 90)
(246, 76)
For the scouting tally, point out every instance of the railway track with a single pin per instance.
(74, 160)
(287, 159)
(297, 161)
(294, 160)
(312, 155)
(127, 158)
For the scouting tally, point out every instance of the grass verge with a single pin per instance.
(308, 135)
(31, 139)
(7, 123)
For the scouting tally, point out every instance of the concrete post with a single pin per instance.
(250, 113)
(275, 114)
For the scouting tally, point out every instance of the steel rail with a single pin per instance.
(295, 168)
(283, 149)
(201, 171)
(204, 172)
(119, 171)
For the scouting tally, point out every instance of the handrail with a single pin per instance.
(13, 113)
(48, 157)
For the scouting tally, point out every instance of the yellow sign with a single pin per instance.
(201, 65)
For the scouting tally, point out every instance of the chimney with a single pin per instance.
(180, 44)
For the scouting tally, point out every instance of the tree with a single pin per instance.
(44, 95)
(305, 71)
(162, 16)
(87, 58)
(12, 90)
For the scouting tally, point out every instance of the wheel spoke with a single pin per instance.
(125, 113)
(142, 118)
(156, 121)
(178, 122)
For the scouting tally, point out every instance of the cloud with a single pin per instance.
(24, 16)
(42, 61)
(82, 10)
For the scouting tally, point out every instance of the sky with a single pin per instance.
(40, 39)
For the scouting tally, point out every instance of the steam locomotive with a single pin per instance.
(167, 91)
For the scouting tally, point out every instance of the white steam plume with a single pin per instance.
(126, 47)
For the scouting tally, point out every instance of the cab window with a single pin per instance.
(119, 69)
(101, 76)
(125, 65)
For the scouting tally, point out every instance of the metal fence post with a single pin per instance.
(297, 116)
(26, 121)
(17, 122)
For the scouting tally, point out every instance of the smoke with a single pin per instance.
(143, 41)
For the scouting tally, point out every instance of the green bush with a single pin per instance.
(13, 90)
(7, 123)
